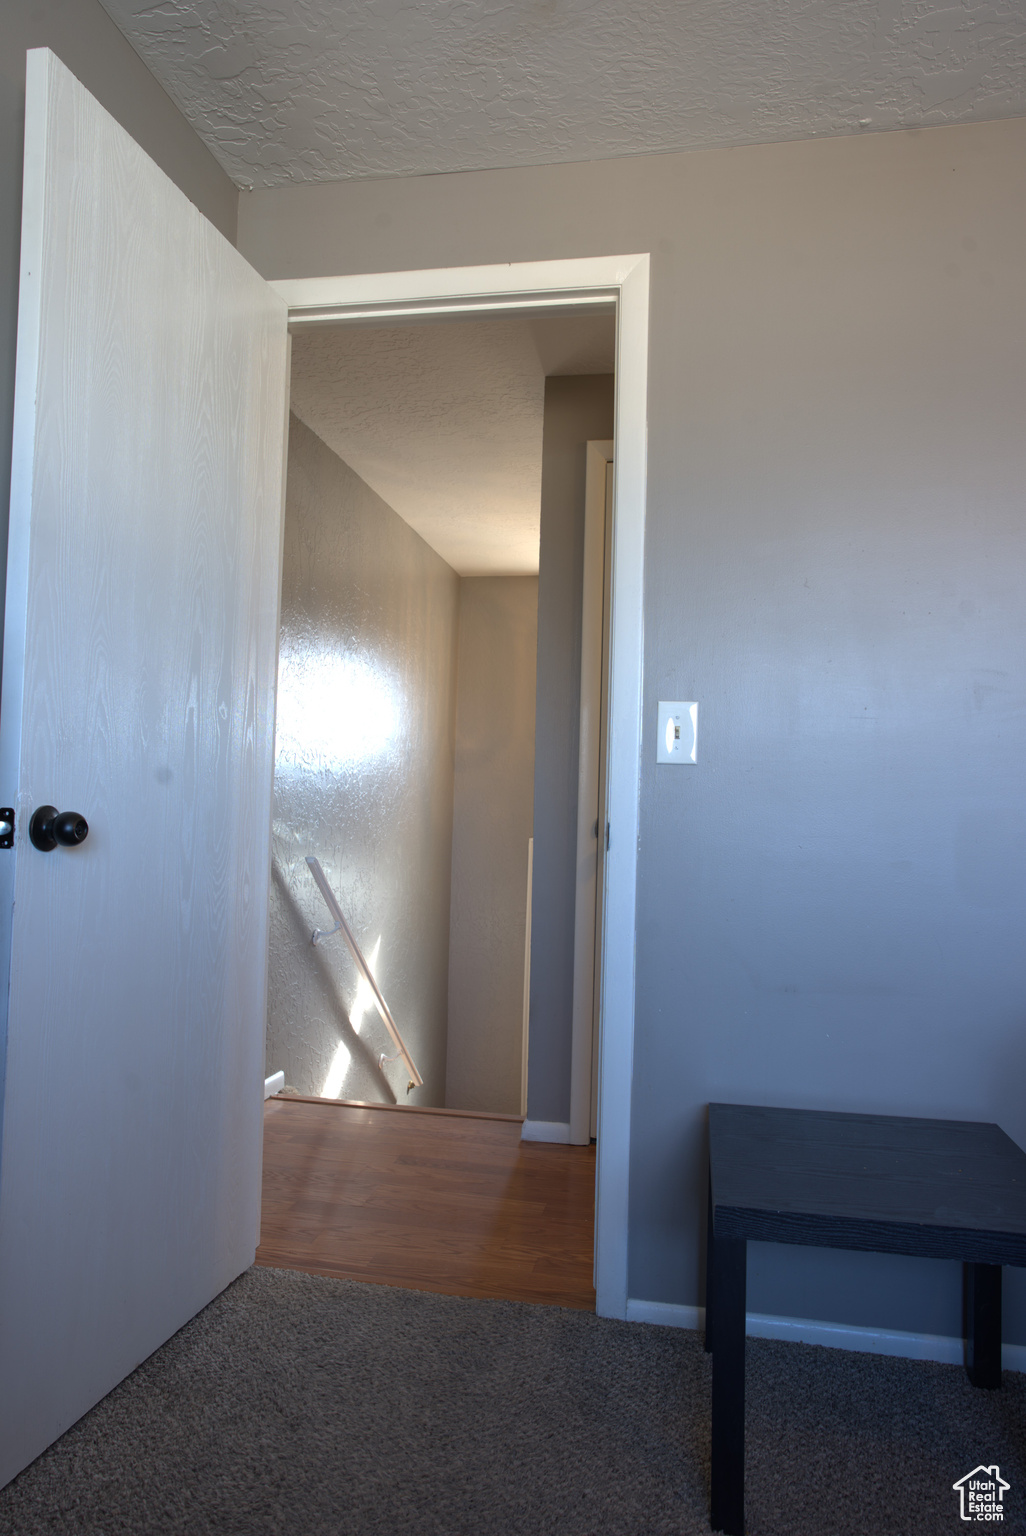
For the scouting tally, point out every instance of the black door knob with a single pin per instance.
(49, 826)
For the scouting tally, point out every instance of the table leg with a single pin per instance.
(728, 1388)
(708, 1340)
(982, 1285)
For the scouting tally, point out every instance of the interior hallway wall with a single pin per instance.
(492, 821)
(576, 410)
(831, 904)
(364, 781)
(84, 38)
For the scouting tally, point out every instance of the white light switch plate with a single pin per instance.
(677, 737)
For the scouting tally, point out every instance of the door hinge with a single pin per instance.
(607, 837)
(6, 826)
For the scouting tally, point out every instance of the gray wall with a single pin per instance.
(363, 780)
(832, 904)
(576, 409)
(84, 38)
(492, 820)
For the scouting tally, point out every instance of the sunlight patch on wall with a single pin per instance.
(337, 1071)
(363, 1003)
(333, 710)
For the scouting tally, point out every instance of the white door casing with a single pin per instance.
(591, 815)
(138, 689)
(600, 882)
(526, 1009)
(552, 287)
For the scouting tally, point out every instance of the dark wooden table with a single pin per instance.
(942, 1189)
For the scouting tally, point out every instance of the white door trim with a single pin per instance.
(526, 1010)
(562, 285)
(591, 818)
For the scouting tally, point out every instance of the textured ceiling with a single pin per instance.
(444, 421)
(320, 90)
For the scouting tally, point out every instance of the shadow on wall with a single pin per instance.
(325, 1031)
(492, 821)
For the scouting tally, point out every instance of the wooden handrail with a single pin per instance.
(341, 926)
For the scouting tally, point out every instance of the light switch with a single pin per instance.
(677, 738)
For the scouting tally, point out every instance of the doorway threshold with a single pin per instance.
(404, 1109)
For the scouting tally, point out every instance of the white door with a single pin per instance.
(139, 660)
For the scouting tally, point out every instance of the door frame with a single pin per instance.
(591, 815)
(546, 287)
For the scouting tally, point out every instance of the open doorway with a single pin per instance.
(573, 285)
(436, 476)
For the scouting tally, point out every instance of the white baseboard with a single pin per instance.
(273, 1084)
(803, 1330)
(666, 1313)
(545, 1130)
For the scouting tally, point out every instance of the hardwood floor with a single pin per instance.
(433, 1202)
